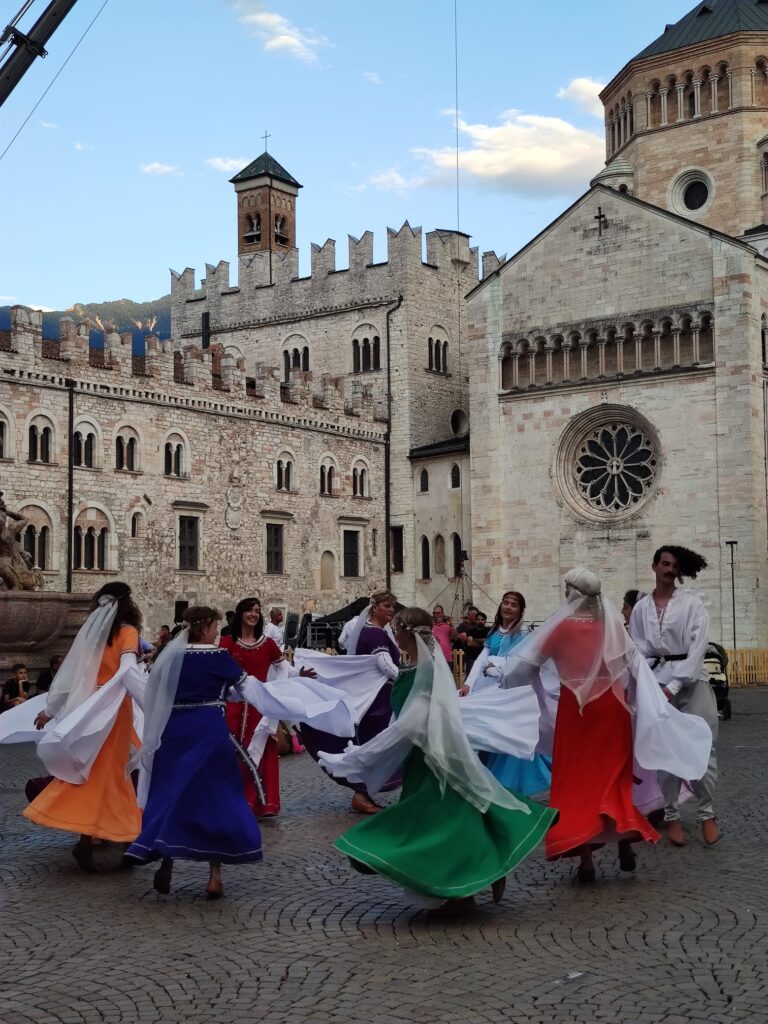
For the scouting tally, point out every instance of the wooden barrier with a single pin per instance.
(748, 666)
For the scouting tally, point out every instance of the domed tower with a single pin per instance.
(686, 121)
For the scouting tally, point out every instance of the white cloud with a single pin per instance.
(82, 147)
(227, 164)
(373, 77)
(7, 300)
(526, 155)
(391, 180)
(584, 92)
(42, 309)
(48, 124)
(278, 34)
(158, 168)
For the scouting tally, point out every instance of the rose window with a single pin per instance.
(615, 467)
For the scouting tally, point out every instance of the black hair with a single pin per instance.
(128, 613)
(632, 597)
(689, 563)
(520, 601)
(165, 626)
(18, 665)
(55, 657)
(237, 621)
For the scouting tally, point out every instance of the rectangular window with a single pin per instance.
(351, 553)
(397, 549)
(189, 543)
(274, 549)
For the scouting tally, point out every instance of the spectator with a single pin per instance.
(443, 632)
(17, 688)
(482, 624)
(227, 630)
(274, 628)
(630, 600)
(44, 680)
(163, 639)
(470, 638)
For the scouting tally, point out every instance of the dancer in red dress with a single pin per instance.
(255, 653)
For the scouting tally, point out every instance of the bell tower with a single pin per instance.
(266, 207)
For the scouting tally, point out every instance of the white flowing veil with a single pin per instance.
(160, 694)
(604, 655)
(357, 629)
(75, 681)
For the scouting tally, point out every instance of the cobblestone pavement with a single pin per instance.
(303, 938)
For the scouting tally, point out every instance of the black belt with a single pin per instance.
(667, 657)
(199, 704)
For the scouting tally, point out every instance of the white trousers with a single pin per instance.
(697, 699)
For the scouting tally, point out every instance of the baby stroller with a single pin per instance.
(716, 663)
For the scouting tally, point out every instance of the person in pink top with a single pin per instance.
(443, 632)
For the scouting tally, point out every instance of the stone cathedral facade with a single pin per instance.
(625, 346)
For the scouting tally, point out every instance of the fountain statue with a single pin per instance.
(16, 569)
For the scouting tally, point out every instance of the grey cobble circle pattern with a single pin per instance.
(303, 938)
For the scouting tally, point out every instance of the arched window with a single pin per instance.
(356, 364)
(77, 449)
(430, 354)
(119, 453)
(281, 230)
(40, 440)
(283, 473)
(286, 366)
(445, 357)
(456, 552)
(327, 571)
(455, 475)
(296, 359)
(305, 359)
(84, 446)
(131, 453)
(376, 353)
(366, 354)
(438, 355)
(425, 561)
(135, 525)
(176, 460)
(507, 368)
(439, 556)
(36, 538)
(5, 438)
(363, 483)
(252, 228)
(423, 481)
(764, 172)
(360, 481)
(90, 541)
(354, 482)
(327, 477)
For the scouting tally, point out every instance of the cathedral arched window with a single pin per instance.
(281, 230)
(506, 369)
(455, 476)
(84, 446)
(430, 354)
(305, 359)
(445, 357)
(423, 481)
(284, 472)
(37, 536)
(426, 572)
(366, 353)
(127, 451)
(723, 87)
(286, 366)
(327, 476)
(760, 78)
(356, 363)
(360, 484)
(438, 355)
(456, 555)
(439, 555)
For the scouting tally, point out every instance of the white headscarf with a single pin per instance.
(75, 681)
(158, 703)
(606, 649)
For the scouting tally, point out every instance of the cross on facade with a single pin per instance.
(266, 136)
(602, 221)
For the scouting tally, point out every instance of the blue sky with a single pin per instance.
(123, 170)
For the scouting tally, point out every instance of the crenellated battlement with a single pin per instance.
(186, 374)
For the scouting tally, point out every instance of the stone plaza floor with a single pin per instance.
(303, 938)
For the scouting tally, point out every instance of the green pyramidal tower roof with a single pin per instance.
(266, 165)
(711, 20)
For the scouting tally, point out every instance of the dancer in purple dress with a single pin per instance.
(367, 636)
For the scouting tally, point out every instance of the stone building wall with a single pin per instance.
(231, 437)
(530, 520)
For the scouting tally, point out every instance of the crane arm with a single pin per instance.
(25, 48)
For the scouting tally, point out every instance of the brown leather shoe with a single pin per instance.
(675, 832)
(710, 831)
(362, 804)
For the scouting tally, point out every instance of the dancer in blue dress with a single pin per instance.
(523, 777)
(195, 806)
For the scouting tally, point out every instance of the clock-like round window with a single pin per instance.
(608, 463)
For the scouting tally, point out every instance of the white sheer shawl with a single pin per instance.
(429, 719)
(75, 681)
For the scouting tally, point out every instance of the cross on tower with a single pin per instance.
(602, 221)
(266, 136)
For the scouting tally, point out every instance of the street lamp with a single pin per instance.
(732, 545)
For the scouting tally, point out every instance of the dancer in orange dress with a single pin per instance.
(104, 806)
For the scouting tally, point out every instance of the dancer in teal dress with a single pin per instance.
(455, 830)
(523, 777)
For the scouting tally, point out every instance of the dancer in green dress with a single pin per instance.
(455, 829)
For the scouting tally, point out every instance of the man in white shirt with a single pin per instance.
(671, 629)
(273, 629)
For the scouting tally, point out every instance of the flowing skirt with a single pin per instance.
(592, 777)
(242, 719)
(104, 806)
(524, 778)
(375, 720)
(438, 844)
(196, 807)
